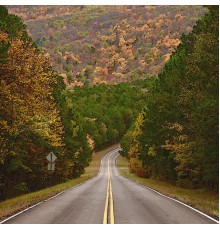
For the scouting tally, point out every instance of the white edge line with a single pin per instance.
(5, 220)
(20, 212)
(10, 217)
(194, 209)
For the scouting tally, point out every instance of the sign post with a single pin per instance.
(51, 157)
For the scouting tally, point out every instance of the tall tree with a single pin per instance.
(180, 132)
(30, 124)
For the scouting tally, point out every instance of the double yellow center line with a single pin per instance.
(109, 209)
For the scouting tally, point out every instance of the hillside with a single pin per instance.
(168, 125)
(98, 44)
(176, 136)
(38, 115)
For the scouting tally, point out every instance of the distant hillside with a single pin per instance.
(99, 44)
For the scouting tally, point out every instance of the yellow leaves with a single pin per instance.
(118, 75)
(145, 27)
(26, 93)
(97, 80)
(90, 141)
(91, 119)
(70, 57)
(179, 17)
(70, 164)
(78, 152)
(98, 70)
(122, 41)
(134, 151)
(122, 62)
(183, 149)
(166, 57)
(152, 152)
(176, 126)
(134, 163)
(100, 74)
(178, 143)
(3, 37)
(4, 125)
(75, 128)
(180, 148)
(55, 138)
(170, 42)
(104, 38)
(138, 126)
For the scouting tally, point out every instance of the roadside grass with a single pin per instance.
(205, 201)
(11, 206)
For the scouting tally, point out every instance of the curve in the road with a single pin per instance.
(133, 203)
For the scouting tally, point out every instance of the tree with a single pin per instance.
(30, 125)
(179, 140)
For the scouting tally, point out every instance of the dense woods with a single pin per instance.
(96, 117)
(30, 125)
(167, 124)
(175, 137)
(39, 115)
(108, 44)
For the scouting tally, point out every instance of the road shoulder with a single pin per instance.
(15, 205)
(199, 199)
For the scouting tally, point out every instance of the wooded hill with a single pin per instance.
(99, 44)
(176, 137)
(38, 115)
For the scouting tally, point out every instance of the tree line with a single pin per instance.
(30, 124)
(39, 115)
(175, 137)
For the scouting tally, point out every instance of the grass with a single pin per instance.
(14, 205)
(205, 201)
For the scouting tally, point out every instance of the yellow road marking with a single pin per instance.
(109, 200)
(105, 218)
(112, 219)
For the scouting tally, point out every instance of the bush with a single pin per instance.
(144, 173)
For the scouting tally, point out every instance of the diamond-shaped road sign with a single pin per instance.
(51, 157)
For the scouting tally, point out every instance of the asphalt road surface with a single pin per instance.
(133, 203)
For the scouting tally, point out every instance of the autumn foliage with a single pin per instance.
(175, 135)
(30, 122)
(108, 44)
(39, 114)
(177, 141)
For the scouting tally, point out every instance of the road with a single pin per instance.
(111, 196)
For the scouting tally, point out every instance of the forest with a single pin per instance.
(176, 136)
(90, 45)
(167, 124)
(39, 115)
